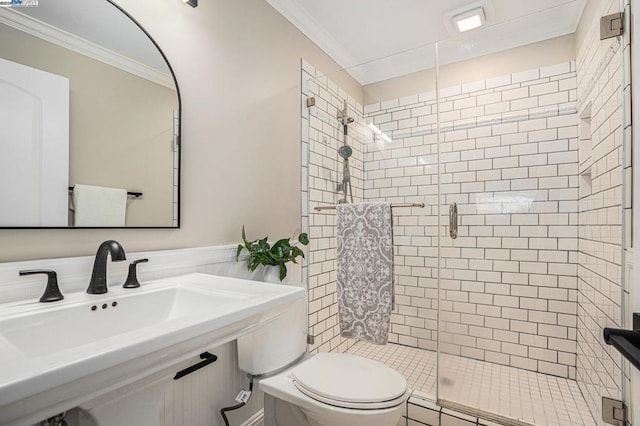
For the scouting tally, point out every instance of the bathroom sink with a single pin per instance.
(63, 353)
(89, 323)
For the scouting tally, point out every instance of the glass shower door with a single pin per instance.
(531, 159)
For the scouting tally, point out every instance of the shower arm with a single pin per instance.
(346, 182)
(349, 173)
(345, 187)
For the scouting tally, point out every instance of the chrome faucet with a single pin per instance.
(98, 283)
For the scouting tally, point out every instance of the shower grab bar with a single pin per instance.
(421, 205)
(453, 221)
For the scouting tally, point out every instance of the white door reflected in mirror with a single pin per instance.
(34, 141)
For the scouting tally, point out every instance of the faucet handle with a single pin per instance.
(52, 291)
(132, 278)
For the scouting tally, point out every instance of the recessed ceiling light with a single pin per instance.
(469, 20)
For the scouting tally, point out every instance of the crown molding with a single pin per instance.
(311, 29)
(84, 47)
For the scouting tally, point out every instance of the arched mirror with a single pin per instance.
(89, 120)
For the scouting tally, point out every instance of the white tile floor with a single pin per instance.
(525, 396)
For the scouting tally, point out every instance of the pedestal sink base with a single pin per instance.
(140, 408)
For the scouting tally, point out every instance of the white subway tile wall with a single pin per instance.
(509, 159)
(600, 93)
(535, 273)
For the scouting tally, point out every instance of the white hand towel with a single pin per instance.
(99, 206)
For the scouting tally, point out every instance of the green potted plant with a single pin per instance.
(278, 254)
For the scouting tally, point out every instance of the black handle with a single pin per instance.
(132, 278)
(208, 358)
(52, 291)
(627, 342)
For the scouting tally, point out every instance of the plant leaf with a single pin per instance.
(240, 247)
(269, 259)
(295, 252)
(263, 244)
(277, 252)
(254, 262)
(283, 271)
(284, 241)
(303, 238)
(281, 250)
(247, 243)
(244, 236)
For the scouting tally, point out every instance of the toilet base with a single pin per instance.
(278, 413)
(282, 413)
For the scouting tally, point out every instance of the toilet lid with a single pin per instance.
(350, 381)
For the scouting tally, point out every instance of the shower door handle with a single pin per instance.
(453, 221)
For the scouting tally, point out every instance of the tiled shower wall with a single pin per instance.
(509, 160)
(322, 168)
(520, 286)
(600, 92)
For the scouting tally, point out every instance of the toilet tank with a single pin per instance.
(276, 343)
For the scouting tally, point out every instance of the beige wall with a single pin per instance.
(588, 15)
(536, 55)
(120, 129)
(238, 67)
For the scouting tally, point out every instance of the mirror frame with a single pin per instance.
(178, 142)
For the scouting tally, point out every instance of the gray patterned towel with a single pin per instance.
(365, 270)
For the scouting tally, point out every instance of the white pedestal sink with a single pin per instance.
(91, 350)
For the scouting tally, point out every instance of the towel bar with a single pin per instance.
(129, 194)
(207, 357)
(320, 208)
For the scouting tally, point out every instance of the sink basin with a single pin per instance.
(32, 332)
(56, 356)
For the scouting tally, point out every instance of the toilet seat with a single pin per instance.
(349, 381)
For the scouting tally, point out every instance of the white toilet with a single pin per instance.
(327, 389)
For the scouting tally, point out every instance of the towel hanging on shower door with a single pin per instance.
(365, 270)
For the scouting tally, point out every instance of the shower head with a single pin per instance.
(345, 151)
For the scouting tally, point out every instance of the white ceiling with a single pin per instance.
(101, 23)
(355, 32)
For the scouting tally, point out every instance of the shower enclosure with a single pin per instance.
(506, 277)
